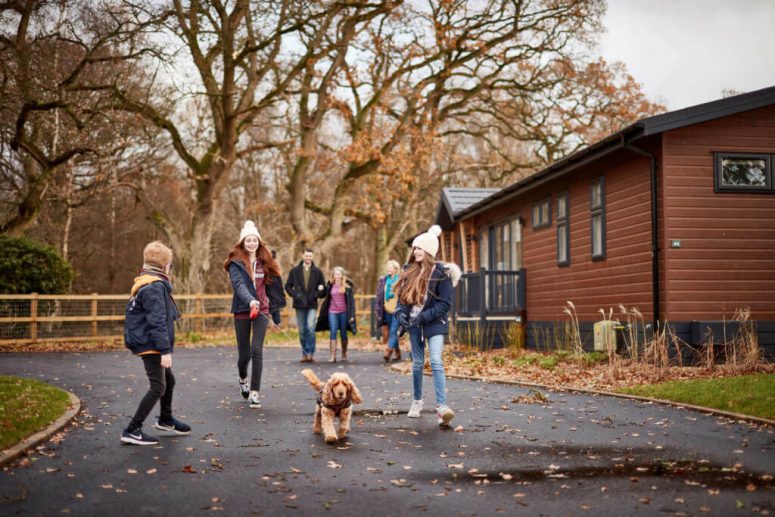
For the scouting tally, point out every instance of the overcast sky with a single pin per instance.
(685, 52)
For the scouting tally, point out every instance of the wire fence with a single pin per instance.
(34, 318)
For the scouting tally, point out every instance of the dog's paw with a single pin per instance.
(331, 439)
(317, 430)
(341, 433)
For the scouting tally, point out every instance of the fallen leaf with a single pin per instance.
(333, 465)
(131, 471)
(750, 487)
(188, 469)
(150, 471)
(455, 465)
(106, 486)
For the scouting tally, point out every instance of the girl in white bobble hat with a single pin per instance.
(424, 292)
(251, 268)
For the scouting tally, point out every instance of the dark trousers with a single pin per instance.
(162, 383)
(251, 348)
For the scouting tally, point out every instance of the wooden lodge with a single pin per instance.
(673, 215)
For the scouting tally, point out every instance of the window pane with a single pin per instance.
(597, 234)
(561, 207)
(545, 212)
(536, 215)
(596, 194)
(740, 171)
(506, 246)
(562, 243)
(516, 241)
(498, 249)
(483, 250)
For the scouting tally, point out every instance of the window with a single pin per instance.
(597, 212)
(542, 214)
(739, 172)
(484, 248)
(516, 244)
(563, 230)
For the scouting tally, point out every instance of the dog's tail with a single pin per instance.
(312, 378)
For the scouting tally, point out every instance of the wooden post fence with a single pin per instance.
(18, 329)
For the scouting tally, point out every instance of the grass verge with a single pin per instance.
(747, 394)
(26, 406)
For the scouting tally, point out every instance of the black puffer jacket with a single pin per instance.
(150, 316)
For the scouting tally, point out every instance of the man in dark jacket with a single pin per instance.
(149, 332)
(305, 285)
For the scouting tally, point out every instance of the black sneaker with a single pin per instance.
(244, 388)
(138, 437)
(173, 426)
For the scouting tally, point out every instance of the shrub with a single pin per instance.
(27, 266)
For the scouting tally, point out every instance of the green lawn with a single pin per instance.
(747, 394)
(26, 406)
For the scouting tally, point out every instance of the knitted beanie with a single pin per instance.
(428, 241)
(249, 228)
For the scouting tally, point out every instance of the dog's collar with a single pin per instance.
(335, 407)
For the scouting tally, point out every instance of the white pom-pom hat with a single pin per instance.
(428, 241)
(249, 228)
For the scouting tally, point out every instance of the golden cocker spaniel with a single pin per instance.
(335, 399)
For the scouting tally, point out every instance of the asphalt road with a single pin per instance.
(575, 455)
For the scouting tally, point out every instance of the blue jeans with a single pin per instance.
(305, 318)
(337, 321)
(392, 324)
(435, 345)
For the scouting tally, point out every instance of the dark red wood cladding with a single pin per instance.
(727, 255)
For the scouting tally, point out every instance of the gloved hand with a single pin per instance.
(418, 320)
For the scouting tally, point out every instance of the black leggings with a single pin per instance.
(251, 348)
(162, 382)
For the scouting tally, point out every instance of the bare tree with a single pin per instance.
(45, 124)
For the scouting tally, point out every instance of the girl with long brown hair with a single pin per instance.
(424, 292)
(251, 268)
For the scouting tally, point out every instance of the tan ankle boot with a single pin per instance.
(398, 354)
(332, 349)
(387, 354)
(344, 350)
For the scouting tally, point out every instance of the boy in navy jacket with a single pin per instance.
(149, 332)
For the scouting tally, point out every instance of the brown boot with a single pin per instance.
(398, 354)
(332, 349)
(344, 350)
(387, 354)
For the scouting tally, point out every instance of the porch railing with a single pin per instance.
(488, 292)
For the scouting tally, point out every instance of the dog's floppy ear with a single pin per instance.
(328, 393)
(355, 395)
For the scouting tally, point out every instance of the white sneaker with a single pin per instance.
(254, 402)
(414, 411)
(445, 415)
